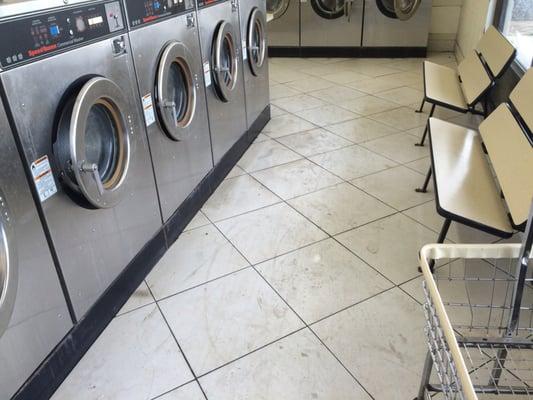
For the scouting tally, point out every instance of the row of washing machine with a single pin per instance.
(349, 23)
(114, 111)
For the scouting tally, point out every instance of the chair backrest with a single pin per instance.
(496, 50)
(474, 78)
(522, 99)
(511, 155)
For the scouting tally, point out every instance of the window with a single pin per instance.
(517, 26)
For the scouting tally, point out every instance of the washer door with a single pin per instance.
(277, 7)
(329, 9)
(400, 9)
(224, 61)
(256, 41)
(8, 265)
(175, 90)
(93, 145)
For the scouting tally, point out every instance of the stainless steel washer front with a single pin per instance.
(331, 23)
(221, 55)
(170, 77)
(255, 59)
(79, 122)
(396, 23)
(33, 312)
(284, 29)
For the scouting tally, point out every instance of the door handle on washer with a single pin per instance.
(348, 7)
(93, 170)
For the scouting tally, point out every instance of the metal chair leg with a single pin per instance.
(421, 109)
(424, 188)
(427, 127)
(426, 374)
(440, 239)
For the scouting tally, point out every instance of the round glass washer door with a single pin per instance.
(8, 266)
(224, 61)
(277, 7)
(400, 9)
(256, 41)
(93, 144)
(175, 90)
(329, 9)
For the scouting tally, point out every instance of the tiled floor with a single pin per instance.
(294, 280)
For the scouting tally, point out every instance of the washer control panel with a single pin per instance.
(143, 12)
(39, 35)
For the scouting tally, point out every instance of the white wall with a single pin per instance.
(476, 15)
(445, 16)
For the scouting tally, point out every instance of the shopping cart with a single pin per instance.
(479, 321)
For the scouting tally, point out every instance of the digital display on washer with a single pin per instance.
(43, 34)
(145, 12)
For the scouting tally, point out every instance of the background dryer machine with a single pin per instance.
(220, 43)
(252, 15)
(165, 47)
(331, 23)
(33, 313)
(80, 130)
(284, 29)
(397, 23)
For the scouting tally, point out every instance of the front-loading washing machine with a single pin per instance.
(165, 46)
(330, 23)
(220, 44)
(284, 28)
(33, 312)
(70, 84)
(252, 15)
(397, 23)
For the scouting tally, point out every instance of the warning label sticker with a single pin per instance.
(148, 109)
(43, 178)
(244, 51)
(207, 73)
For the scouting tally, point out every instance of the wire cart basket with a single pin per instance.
(479, 321)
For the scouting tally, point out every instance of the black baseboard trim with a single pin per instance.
(66, 355)
(348, 52)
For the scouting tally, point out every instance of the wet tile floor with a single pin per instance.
(298, 279)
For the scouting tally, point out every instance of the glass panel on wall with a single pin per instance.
(518, 27)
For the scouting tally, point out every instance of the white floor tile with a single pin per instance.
(390, 245)
(404, 95)
(141, 297)
(296, 178)
(401, 118)
(298, 103)
(336, 93)
(381, 341)
(297, 367)
(375, 85)
(310, 84)
(237, 196)
(395, 187)
(190, 391)
(352, 162)
(361, 130)
(238, 171)
(286, 125)
(227, 318)
(368, 105)
(265, 155)
(136, 357)
(327, 115)
(339, 208)
(313, 142)
(270, 232)
(400, 148)
(343, 77)
(196, 257)
(281, 90)
(321, 279)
